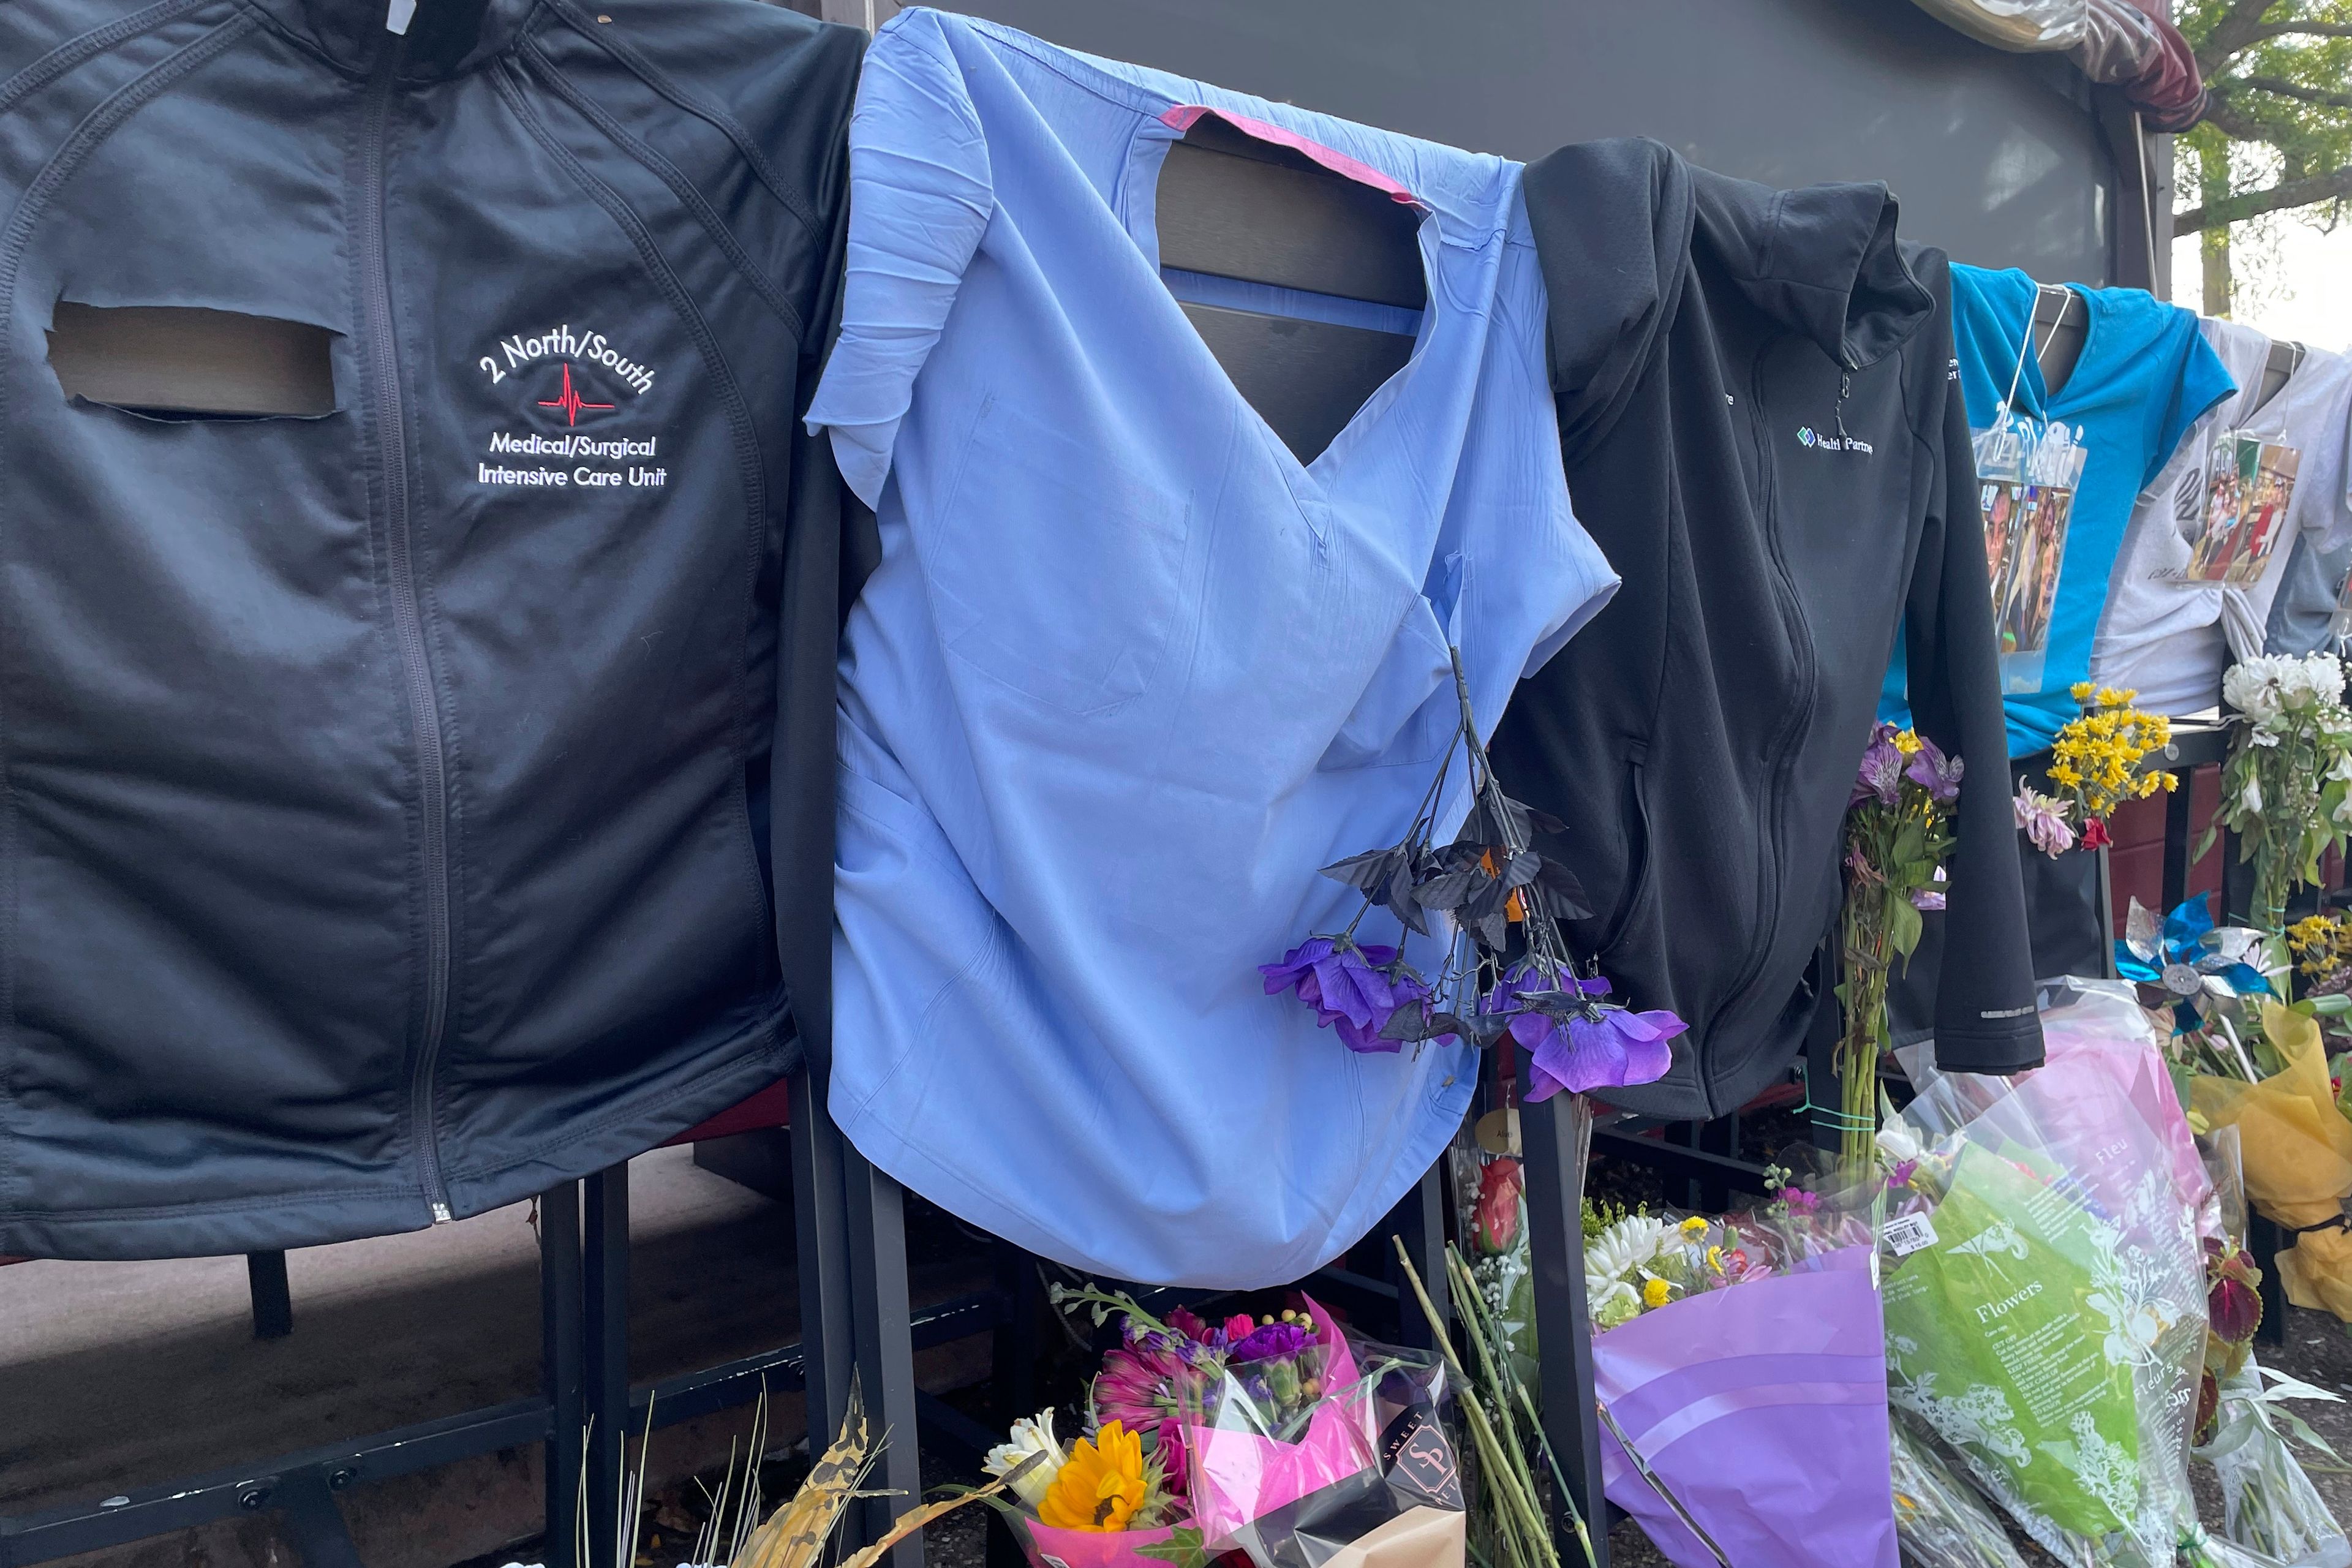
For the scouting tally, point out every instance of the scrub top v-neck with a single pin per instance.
(1129, 672)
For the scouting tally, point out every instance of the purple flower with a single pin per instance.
(1800, 1201)
(1926, 899)
(1880, 777)
(1937, 774)
(1356, 989)
(1272, 1340)
(1615, 1050)
(1904, 1170)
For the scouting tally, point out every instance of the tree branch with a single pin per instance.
(2287, 194)
(2282, 88)
(2264, 34)
(2234, 32)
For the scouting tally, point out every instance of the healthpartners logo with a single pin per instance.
(1814, 440)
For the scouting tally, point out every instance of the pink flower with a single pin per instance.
(2043, 819)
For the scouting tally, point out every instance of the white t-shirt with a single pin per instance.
(2168, 638)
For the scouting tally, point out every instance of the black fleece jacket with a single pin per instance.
(1762, 431)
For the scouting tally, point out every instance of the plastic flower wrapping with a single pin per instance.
(2044, 1281)
(1738, 1364)
(1275, 1436)
(1489, 903)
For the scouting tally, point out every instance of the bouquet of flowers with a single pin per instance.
(2297, 1148)
(1494, 902)
(2287, 789)
(1896, 831)
(2243, 1426)
(1246, 1434)
(1738, 1364)
(2099, 760)
(2045, 1305)
(1493, 1222)
(1940, 1520)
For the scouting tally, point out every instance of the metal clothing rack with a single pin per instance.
(301, 1488)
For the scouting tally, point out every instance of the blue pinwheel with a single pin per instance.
(2188, 959)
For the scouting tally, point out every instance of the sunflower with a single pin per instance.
(1101, 1485)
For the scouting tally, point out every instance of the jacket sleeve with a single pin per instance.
(1986, 1019)
(828, 548)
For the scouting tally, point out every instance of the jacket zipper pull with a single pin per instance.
(397, 15)
(1845, 386)
(441, 1214)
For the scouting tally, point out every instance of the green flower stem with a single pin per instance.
(1867, 960)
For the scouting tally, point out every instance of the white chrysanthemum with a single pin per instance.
(2254, 688)
(1626, 1245)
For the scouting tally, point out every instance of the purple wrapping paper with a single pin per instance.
(1763, 1408)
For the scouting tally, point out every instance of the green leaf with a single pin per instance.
(1182, 1549)
(2204, 844)
(1903, 926)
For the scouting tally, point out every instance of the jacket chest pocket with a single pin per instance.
(1055, 569)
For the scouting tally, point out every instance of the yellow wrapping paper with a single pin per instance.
(2297, 1149)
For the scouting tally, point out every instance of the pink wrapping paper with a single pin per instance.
(1050, 1548)
(1238, 1477)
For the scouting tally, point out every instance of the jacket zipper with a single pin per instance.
(1800, 645)
(407, 616)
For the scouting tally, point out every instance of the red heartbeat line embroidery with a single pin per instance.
(569, 400)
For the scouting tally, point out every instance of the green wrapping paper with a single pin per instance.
(2012, 1338)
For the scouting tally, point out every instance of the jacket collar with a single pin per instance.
(445, 38)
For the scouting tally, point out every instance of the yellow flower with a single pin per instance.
(2080, 691)
(1693, 1225)
(1907, 742)
(1100, 1486)
(1715, 1260)
(1656, 1294)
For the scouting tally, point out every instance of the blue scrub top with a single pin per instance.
(2144, 376)
(1129, 672)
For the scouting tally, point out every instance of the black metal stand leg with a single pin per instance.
(1551, 1132)
(885, 1352)
(1013, 1356)
(315, 1522)
(1685, 1135)
(607, 1276)
(820, 1233)
(1419, 1221)
(1720, 1136)
(273, 1303)
(1013, 1372)
(563, 1369)
(2178, 819)
(2262, 1240)
(1822, 1091)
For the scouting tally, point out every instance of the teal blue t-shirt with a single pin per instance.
(2145, 376)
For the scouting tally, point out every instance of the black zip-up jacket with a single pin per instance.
(389, 800)
(1763, 432)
